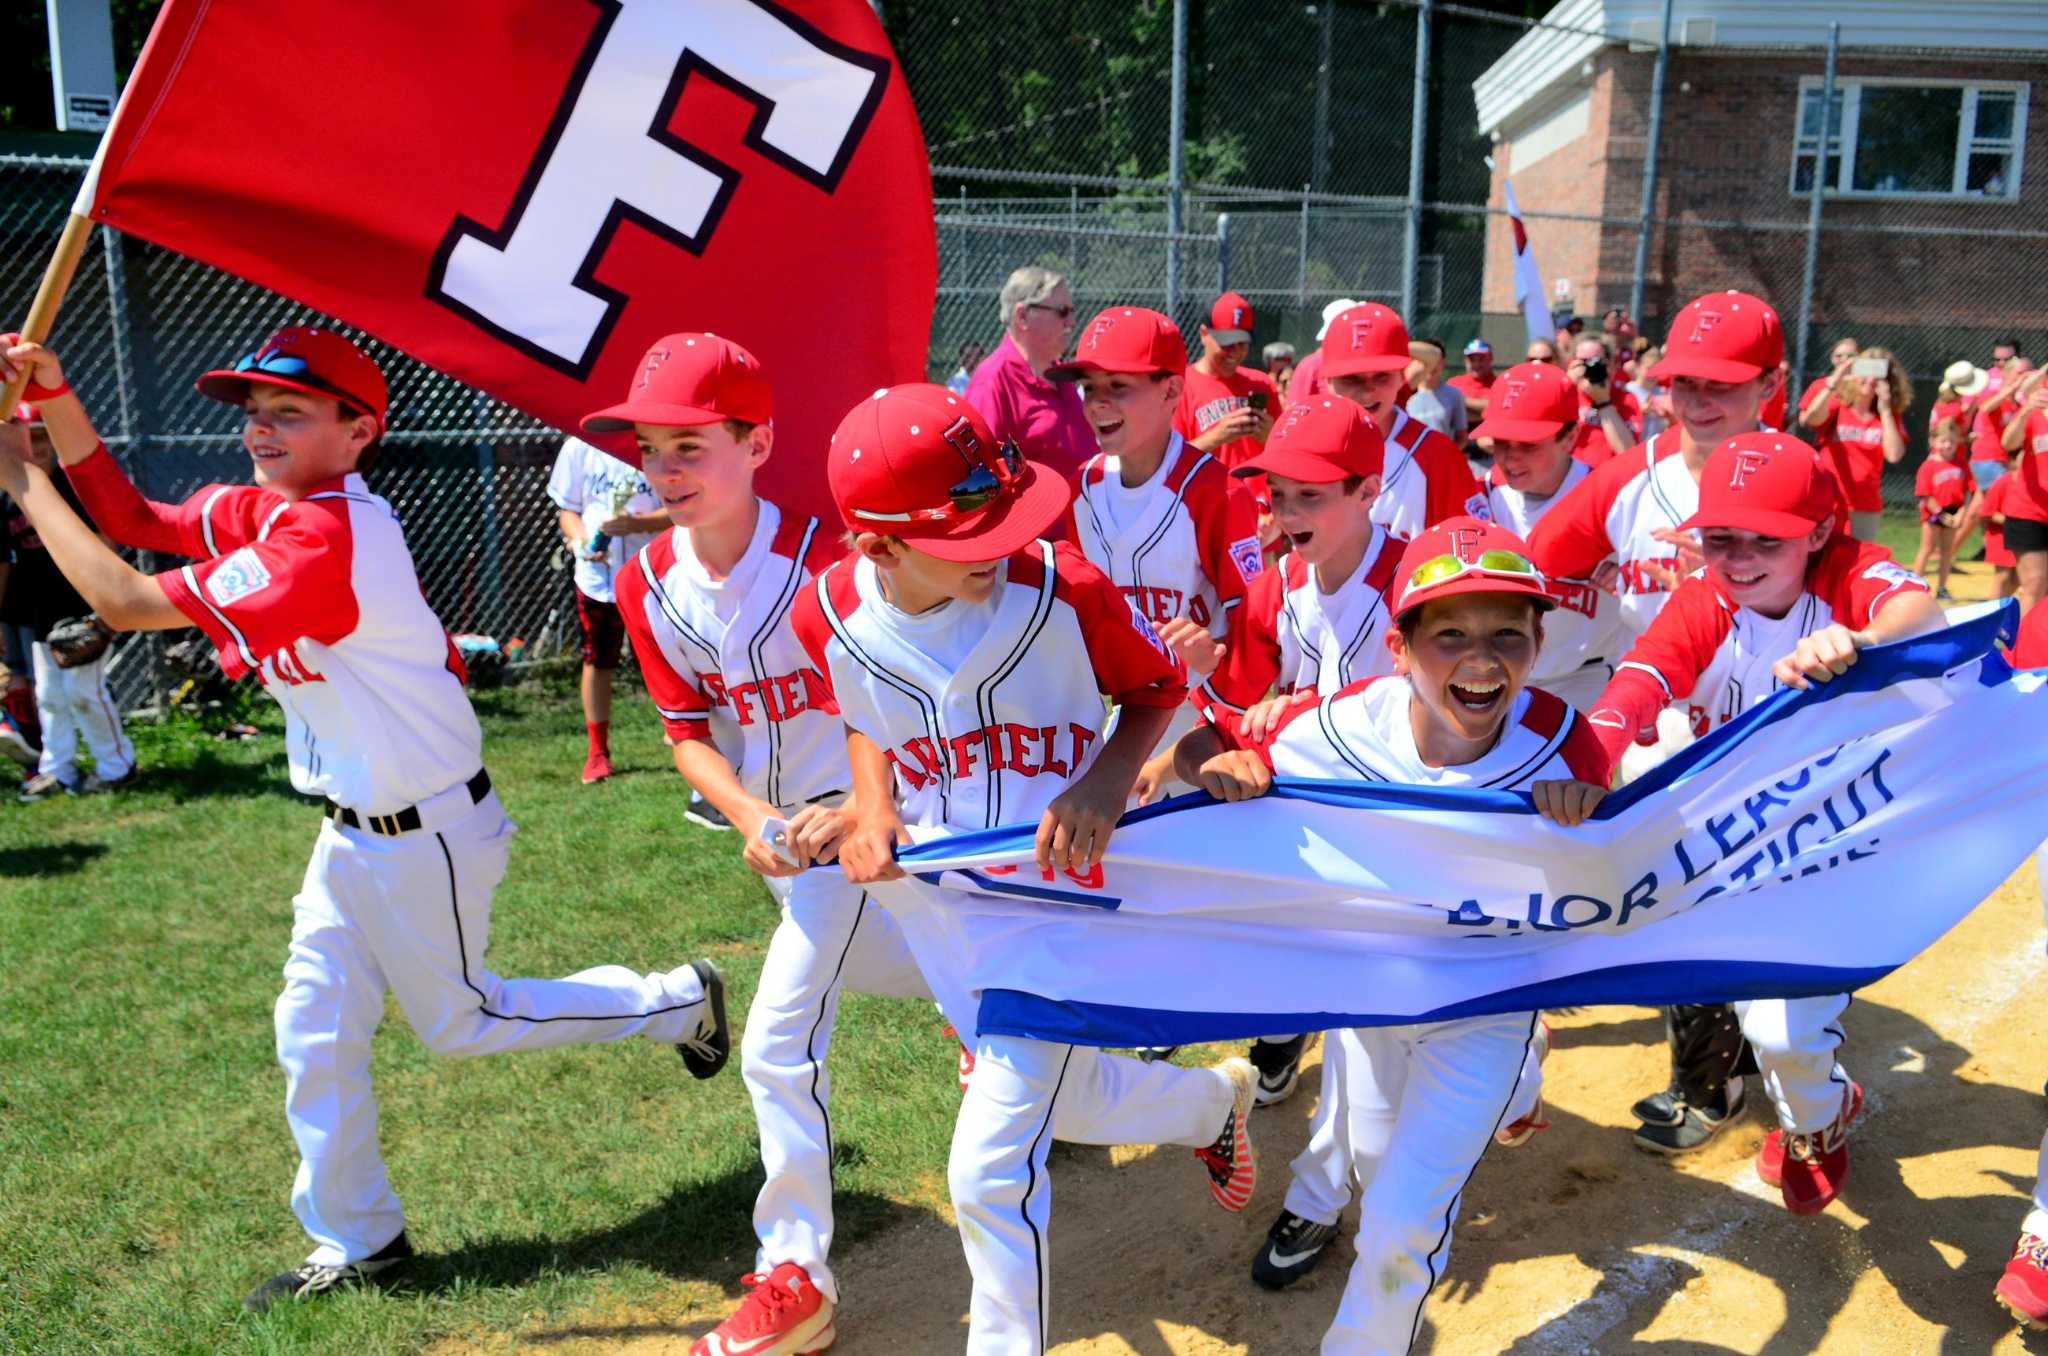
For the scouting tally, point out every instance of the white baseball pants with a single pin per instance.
(1420, 1105)
(1795, 1040)
(1025, 1094)
(413, 914)
(74, 704)
(832, 937)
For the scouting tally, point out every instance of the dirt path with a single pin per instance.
(1576, 1242)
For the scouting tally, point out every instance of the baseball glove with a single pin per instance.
(78, 640)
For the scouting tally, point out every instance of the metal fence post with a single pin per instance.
(1820, 177)
(1301, 255)
(1176, 151)
(1635, 290)
(1418, 133)
(133, 437)
(1222, 253)
(1319, 155)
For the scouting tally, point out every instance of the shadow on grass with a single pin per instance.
(205, 774)
(48, 859)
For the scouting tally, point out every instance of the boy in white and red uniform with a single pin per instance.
(1420, 1103)
(970, 660)
(1621, 526)
(1226, 407)
(1163, 519)
(1532, 430)
(1786, 596)
(757, 735)
(304, 580)
(1426, 478)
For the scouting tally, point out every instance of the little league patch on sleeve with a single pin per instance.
(1144, 628)
(1479, 508)
(1892, 573)
(236, 577)
(1244, 553)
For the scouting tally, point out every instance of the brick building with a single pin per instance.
(1935, 224)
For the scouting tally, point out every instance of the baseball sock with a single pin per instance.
(600, 736)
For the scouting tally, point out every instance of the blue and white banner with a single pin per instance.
(1811, 846)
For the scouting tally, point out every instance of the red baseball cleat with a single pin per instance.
(1521, 1130)
(783, 1314)
(1770, 1159)
(966, 1065)
(1815, 1166)
(2023, 1289)
(1233, 1166)
(596, 768)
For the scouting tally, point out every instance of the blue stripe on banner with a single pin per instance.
(1010, 887)
(1927, 656)
(1012, 1012)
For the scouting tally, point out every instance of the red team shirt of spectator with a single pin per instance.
(1183, 544)
(1995, 553)
(376, 718)
(1592, 446)
(2028, 496)
(1205, 399)
(722, 664)
(1472, 387)
(1943, 481)
(1854, 445)
(1987, 433)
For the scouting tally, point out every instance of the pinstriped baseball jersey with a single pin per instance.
(1585, 625)
(1426, 480)
(1184, 544)
(722, 663)
(986, 711)
(1616, 511)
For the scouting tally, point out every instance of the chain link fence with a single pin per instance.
(1160, 151)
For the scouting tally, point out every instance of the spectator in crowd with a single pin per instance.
(2026, 498)
(1996, 407)
(1990, 510)
(1541, 351)
(606, 513)
(1619, 329)
(1278, 360)
(1308, 373)
(1607, 412)
(17, 737)
(1434, 402)
(1771, 414)
(970, 358)
(1226, 407)
(1569, 328)
(1010, 388)
(1859, 423)
(2003, 351)
(1962, 382)
(1943, 487)
(1839, 357)
(1475, 383)
(73, 704)
(1652, 397)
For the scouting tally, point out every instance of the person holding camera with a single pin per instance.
(1857, 417)
(1226, 407)
(1608, 414)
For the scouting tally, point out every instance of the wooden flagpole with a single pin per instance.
(42, 313)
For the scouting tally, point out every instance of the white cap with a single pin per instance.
(1331, 312)
(1965, 378)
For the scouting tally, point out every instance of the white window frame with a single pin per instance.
(1843, 143)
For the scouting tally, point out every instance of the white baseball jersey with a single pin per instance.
(1713, 659)
(318, 598)
(1183, 544)
(1584, 627)
(1425, 480)
(1291, 635)
(986, 711)
(1614, 512)
(722, 663)
(587, 482)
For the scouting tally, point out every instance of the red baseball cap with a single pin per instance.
(1367, 338)
(1723, 336)
(305, 358)
(1320, 442)
(689, 379)
(1771, 484)
(918, 462)
(1531, 403)
(1230, 320)
(1466, 555)
(1125, 339)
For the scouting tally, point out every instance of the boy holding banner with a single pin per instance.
(1419, 1104)
(969, 659)
(1787, 598)
(756, 735)
(304, 579)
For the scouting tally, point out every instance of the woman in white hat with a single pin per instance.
(1961, 383)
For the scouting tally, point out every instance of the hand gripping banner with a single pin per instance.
(1809, 847)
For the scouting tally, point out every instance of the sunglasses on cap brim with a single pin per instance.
(269, 362)
(982, 486)
(1497, 561)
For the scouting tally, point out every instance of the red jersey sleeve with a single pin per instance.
(1855, 579)
(1229, 725)
(684, 712)
(1570, 541)
(807, 613)
(1663, 667)
(295, 584)
(1226, 532)
(119, 509)
(1448, 482)
(1251, 654)
(1132, 666)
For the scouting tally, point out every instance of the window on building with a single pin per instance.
(1888, 138)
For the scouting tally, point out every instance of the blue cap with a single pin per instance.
(1479, 346)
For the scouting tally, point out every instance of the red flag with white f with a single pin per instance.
(526, 193)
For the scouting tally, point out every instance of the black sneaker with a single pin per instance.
(1681, 1127)
(313, 1280)
(1279, 1066)
(1292, 1247)
(1157, 1054)
(704, 814)
(706, 1053)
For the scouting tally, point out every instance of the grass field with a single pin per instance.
(145, 1166)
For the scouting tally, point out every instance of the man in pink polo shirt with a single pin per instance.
(1009, 388)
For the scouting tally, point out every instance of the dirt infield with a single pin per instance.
(1576, 1242)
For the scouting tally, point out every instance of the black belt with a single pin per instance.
(408, 819)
